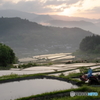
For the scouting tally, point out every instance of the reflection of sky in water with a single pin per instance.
(22, 72)
(15, 90)
(31, 70)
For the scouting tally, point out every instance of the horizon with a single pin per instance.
(71, 8)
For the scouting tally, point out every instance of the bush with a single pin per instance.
(62, 74)
(7, 56)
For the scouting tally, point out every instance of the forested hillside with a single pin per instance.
(90, 44)
(29, 38)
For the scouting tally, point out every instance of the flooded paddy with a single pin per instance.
(13, 90)
(51, 68)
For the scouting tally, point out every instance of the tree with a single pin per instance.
(90, 44)
(7, 56)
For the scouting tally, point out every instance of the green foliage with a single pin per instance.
(33, 64)
(12, 75)
(16, 60)
(83, 70)
(50, 63)
(90, 44)
(62, 74)
(7, 55)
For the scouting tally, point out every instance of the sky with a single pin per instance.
(76, 8)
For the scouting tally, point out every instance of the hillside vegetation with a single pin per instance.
(91, 44)
(29, 38)
(89, 49)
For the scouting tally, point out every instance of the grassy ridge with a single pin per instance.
(15, 76)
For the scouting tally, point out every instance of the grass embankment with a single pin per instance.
(33, 64)
(56, 95)
(15, 77)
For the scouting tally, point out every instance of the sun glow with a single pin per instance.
(69, 11)
(80, 8)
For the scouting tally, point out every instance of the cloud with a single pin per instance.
(94, 10)
(70, 7)
(55, 2)
(38, 6)
(28, 6)
(1, 1)
(70, 2)
(60, 2)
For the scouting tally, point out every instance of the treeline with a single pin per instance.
(90, 44)
(7, 56)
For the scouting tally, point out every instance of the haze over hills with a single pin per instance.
(95, 28)
(92, 25)
(29, 38)
(42, 18)
(98, 24)
(15, 13)
(70, 18)
(33, 16)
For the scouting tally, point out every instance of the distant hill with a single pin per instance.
(81, 24)
(55, 20)
(70, 23)
(25, 15)
(42, 18)
(16, 13)
(98, 23)
(33, 16)
(29, 38)
(71, 18)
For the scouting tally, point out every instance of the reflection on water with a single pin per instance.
(8, 72)
(13, 90)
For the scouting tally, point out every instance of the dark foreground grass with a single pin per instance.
(53, 95)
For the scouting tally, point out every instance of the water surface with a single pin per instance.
(13, 90)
